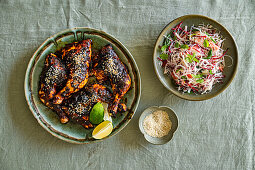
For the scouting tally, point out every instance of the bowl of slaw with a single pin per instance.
(195, 57)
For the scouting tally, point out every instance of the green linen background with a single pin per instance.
(213, 134)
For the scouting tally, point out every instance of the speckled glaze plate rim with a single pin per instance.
(172, 131)
(177, 93)
(33, 107)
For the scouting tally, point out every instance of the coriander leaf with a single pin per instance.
(210, 37)
(197, 75)
(188, 59)
(206, 43)
(210, 71)
(184, 77)
(193, 57)
(163, 56)
(174, 38)
(190, 56)
(176, 45)
(196, 60)
(178, 70)
(167, 41)
(209, 54)
(163, 48)
(184, 46)
(200, 80)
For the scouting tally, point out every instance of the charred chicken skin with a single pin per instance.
(80, 104)
(77, 58)
(107, 66)
(62, 85)
(52, 78)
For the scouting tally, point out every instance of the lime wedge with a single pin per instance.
(97, 114)
(102, 130)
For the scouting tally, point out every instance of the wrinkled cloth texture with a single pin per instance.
(212, 134)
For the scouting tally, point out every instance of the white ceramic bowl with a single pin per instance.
(172, 117)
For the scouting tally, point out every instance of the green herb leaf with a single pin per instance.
(188, 59)
(167, 41)
(184, 46)
(197, 76)
(206, 43)
(209, 54)
(190, 56)
(163, 56)
(178, 70)
(163, 48)
(174, 38)
(193, 57)
(210, 37)
(184, 77)
(210, 71)
(176, 45)
(196, 60)
(200, 80)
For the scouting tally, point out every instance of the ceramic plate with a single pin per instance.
(229, 42)
(49, 120)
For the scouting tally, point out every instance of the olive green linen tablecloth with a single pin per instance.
(213, 134)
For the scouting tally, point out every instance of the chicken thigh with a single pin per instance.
(107, 66)
(80, 104)
(77, 58)
(52, 78)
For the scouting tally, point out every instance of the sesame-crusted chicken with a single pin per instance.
(52, 78)
(77, 57)
(64, 87)
(80, 104)
(107, 66)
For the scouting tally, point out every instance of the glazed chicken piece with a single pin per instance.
(52, 78)
(107, 66)
(80, 104)
(78, 107)
(77, 58)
